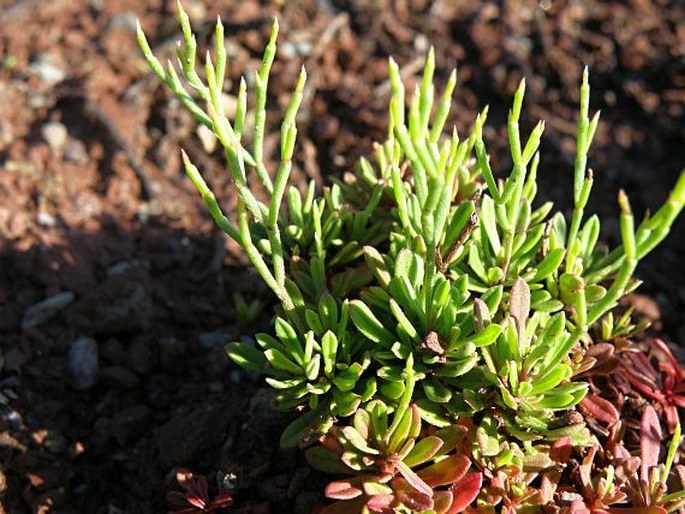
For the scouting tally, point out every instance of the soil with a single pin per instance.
(116, 291)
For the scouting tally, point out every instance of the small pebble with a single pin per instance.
(55, 135)
(196, 10)
(83, 368)
(11, 417)
(45, 67)
(125, 20)
(45, 219)
(46, 309)
(75, 151)
(296, 48)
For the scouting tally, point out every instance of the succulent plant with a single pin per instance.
(434, 318)
(394, 465)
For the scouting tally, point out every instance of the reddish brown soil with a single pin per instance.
(106, 213)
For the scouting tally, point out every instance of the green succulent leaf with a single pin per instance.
(247, 357)
(368, 324)
(423, 451)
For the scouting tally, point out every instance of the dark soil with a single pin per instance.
(95, 208)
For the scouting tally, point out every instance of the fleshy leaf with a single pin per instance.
(447, 471)
(465, 491)
(650, 441)
(424, 450)
(345, 489)
(600, 409)
(325, 460)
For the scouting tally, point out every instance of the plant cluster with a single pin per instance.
(443, 335)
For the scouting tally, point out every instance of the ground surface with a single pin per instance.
(94, 208)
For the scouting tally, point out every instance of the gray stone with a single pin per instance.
(125, 21)
(83, 368)
(42, 311)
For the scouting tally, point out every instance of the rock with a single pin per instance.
(55, 135)
(43, 311)
(75, 151)
(11, 417)
(125, 21)
(46, 66)
(82, 367)
(45, 219)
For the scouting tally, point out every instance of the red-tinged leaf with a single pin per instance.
(600, 409)
(414, 480)
(678, 400)
(579, 507)
(650, 441)
(643, 384)
(561, 449)
(442, 501)
(196, 501)
(674, 368)
(447, 471)
(640, 365)
(601, 351)
(605, 368)
(344, 489)
(672, 418)
(410, 497)
(465, 491)
(222, 501)
(585, 469)
(381, 503)
(416, 501)
(194, 485)
(548, 485)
